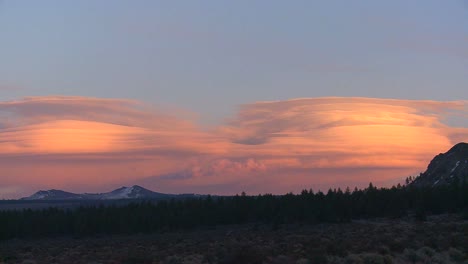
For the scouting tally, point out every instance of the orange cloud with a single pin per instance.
(320, 140)
(88, 144)
(88, 125)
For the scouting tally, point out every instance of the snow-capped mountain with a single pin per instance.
(54, 195)
(133, 192)
(446, 167)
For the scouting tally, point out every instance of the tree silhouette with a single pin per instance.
(149, 216)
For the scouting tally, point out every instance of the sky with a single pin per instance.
(227, 96)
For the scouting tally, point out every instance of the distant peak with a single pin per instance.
(124, 192)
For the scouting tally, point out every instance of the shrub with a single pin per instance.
(244, 254)
(303, 261)
(384, 250)
(456, 255)
(353, 259)
(440, 259)
(426, 251)
(317, 255)
(372, 258)
(388, 259)
(137, 256)
(412, 256)
(396, 245)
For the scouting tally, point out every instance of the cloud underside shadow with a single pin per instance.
(80, 142)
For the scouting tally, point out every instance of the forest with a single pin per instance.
(308, 207)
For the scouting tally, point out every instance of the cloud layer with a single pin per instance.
(89, 144)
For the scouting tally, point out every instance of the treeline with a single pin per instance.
(308, 207)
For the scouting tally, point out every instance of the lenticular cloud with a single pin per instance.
(266, 147)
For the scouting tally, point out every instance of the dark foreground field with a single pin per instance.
(440, 239)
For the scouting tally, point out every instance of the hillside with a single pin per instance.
(446, 168)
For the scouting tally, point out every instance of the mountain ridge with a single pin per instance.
(132, 192)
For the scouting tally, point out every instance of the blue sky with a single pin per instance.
(211, 56)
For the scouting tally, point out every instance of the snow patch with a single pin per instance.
(124, 193)
(38, 195)
(456, 165)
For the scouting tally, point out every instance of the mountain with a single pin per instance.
(54, 195)
(133, 192)
(446, 168)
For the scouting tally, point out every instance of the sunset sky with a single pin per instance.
(227, 96)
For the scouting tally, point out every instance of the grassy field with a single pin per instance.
(440, 239)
